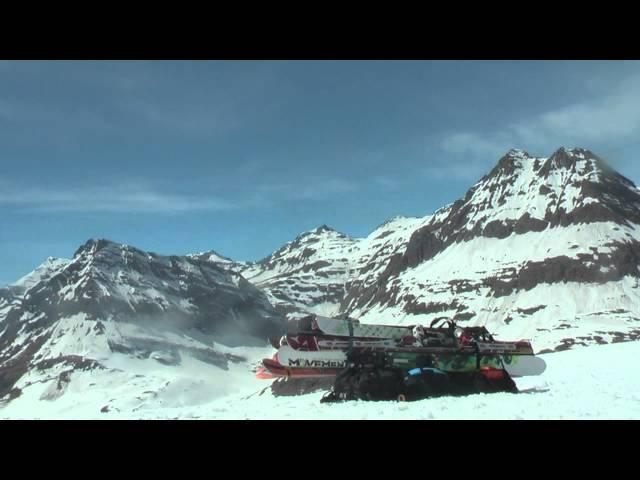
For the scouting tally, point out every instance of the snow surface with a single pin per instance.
(597, 382)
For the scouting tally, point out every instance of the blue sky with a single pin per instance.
(240, 157)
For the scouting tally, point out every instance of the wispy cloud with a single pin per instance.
(474, 144)
(606, 118)
(134, 198)
(187, 119)
(468, 170)
(117, 198)
(195, 100)
(60, 122)
(468, 155)
(324, 189)
(30, 122)
(386, 183)
(304, 189)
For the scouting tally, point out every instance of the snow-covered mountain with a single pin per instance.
(544, 248)
(113, 303)
(315, 272)
(221, 261)
(48, 268)
(540, 248)
(308, 274)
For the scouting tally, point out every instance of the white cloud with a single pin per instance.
(467, 143)
(117, 198)
(123, 197)
(611, 117)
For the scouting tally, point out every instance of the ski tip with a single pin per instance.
(263, 374)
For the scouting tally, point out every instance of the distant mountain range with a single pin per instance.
(540, 248)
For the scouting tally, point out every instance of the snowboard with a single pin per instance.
(515, 365)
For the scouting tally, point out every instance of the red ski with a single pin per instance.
(278, 370)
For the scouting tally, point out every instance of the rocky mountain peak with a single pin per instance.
(323, 228)
(511, 163)
(567, 157)
(563, 158)
(576, 161)
(211, 256)
(94, 245)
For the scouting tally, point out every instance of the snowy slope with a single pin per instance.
(374, 253)
(598, 382)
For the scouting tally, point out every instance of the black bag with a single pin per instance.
(362, 383)
(429, 383)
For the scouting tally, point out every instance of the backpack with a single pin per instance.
(367, 383)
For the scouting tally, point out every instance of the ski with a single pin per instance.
(351, 327)
(306, 342)
(277, 370)
(329, 327)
